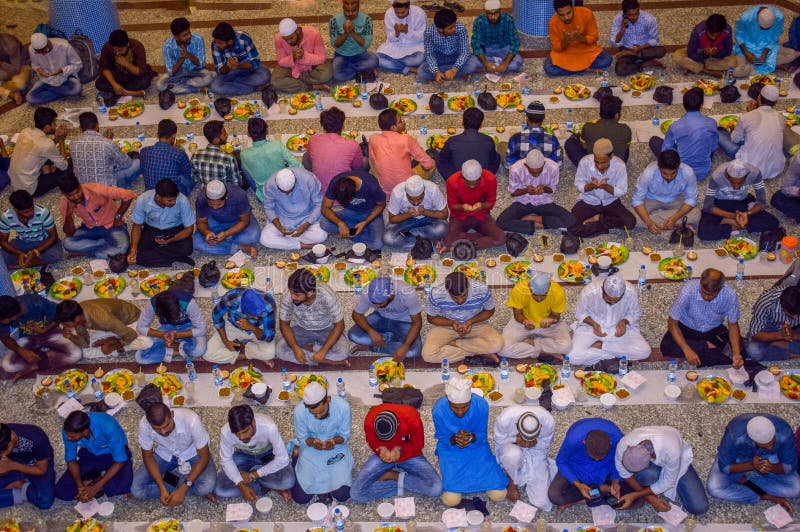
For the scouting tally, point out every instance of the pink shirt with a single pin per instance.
(519, 177)
(99, 207)
(313, 51)
(331, 154)
(390, 154)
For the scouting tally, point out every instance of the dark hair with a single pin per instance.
(610, 106)
(790, 302)
(444, 17)
(558, 4)
(76, 422)
(167, 306)
(212, 130)
(68, 183)
(257, 129)
(693, 99)
(118, 38)
(332, 120)
(598, 444)
(456, 283)
(67, 310)
(5, 436)
(344, 191)
(302, 281)
(21, 200)
(87, 120)
(473, 118)
(179, 25)
(629, 5)
(241, 416)
(9, 307)
(166, 188)
(387, 119)
(167, 128)
(157, 413)
(44, 116)
(712, 279)
(669, 160)
(223, 32)
(716, 23)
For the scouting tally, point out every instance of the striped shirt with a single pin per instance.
(768, 315)
(499, 35)
(162, 161)
(243, 49)
(693, 311)
(643, 31)
(230, 308)
(652, 186)
(440, 303)
(437, 44)
(519, 177)
(323, 313)
(533, 137)
(34, 231)
(719, 187)
(172, 54)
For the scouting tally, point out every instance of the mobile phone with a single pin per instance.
(613, 501)
(171, 478)
(353, 231)
(594, 493)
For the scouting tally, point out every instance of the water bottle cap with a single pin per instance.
(338, 380)
(188, 362)
(741, 261)
(504, 359)
(214, 367)
(283, 370)
(444, 360)
(566, 358)
(372, 366)
(657, 108)
(623, 357)
(94, 380)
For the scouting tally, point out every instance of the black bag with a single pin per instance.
(791, 277)
(769, 239)
(209, 274)
(90, 70)
(486, 100)
(436, 103)
(569, 244)
(796, 80)
(663, 94)
(516, 244)
(602, 91)
(682, 231)
(755, 91)
(464, 250)
(166, 98)
(422, 250)
(364, 147)
(729, 94)
(150, 395)
(402, 396)
(269, 96)
(223, 106)
(378, 100)
(118, 263)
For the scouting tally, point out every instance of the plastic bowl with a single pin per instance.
(317, 512)
(112, 399)
(359, 249)
(385, 510)
(264, 505)
(764, 378)
(533, 393)
(672, 392)
(474, 517)
(608, 400)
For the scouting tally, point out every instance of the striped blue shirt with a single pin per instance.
(651, 185)
(172, 53)
(768, 314)
(437, 44)
(243, 49)
(479, 298)
(229, 309)
(34, 231)
(720, 188)
(643, 31)
(694, 312)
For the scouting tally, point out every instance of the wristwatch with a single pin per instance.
(118, 216)
(188, 483)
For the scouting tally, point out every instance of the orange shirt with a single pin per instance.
(577, 56)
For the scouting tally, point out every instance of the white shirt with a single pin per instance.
(762, 132)
(617, 175)
(32, 150)
(591, 304)
(188, 435)
(433, 200)
(505, 427)
(673, 456)
(407, 43)
(62, 56)
(265, 439)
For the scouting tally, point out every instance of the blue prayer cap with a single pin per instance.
(252, 303)
(380, 290)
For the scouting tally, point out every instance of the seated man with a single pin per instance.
(446, 45)
(757, 35)
(57, 64)
(459, 310)
(787, 199)
(15, 67)
(29, 475)
(264, 157)
(97, 456)
(694, 328)
(586, 469)
(710, 50)
(494, 40)
(461, 422)
(175, 455)
(394, 325)
(101, 326)
(522, 436)
(360, 218)
(102, 232)
(236, 61)
(181, 329)
(694, 135)
(39, 343)
(301, 59)
(392, 153)
(775, 325)
(533, 136)
(245, 322)
(211, 162)
(164, 160)
(532, 183)
(573, 41)
(350, 31)
(471, 144)
(329, 153)
(729, 206)
(417, 208)
(36, 237)
(163, 223)
(537, 327)
(184, 59)
(225, 224)
(657, 461)
(317, 333)
(756, 460)
(396, 436)
(607, 127)
(98, 159)
(404, 49)
(471, 195)
(602, 180)
(292, 202)
(38, 163)
(123, 67)
(324, 464)
(607, 328)
(253, 457)
(665, 193)
(635, 33)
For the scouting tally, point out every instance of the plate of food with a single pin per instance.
(76, 377)
(437, 141)
(665, 125)
(303, 381)
(515, 529)
(508, 99)
(345, 93)
(460, 103)
(124, 146)
(517, 271)
(66, 288)
(119, 381)
(196, 113)
(155, 284)
(237, 277)
(672, 268)
(729, 122)
(298, 142)
(589, 528)
(388, 528)
(712, 389)
(245, 376)
(766, 79)
(165, 525)
(131, 109)
(26, 276)
(404, 106)
(643, 82)
(790, 386)
(415, 275)
(85, 525)
(741, 247)
(110, 286)
(572, 271)
(576, 92)
(596, 383)
(538, 373)
(708, 86)
(471, 270)
(244, 111)
(303, 100)
(387, 369)
(169, 383)
(365, 273)
(618, 253)
(483, 380)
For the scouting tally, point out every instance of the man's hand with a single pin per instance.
(377, 339)
(233, 63)
(463, 438)
(660, 505)
(778, 500)
(450, 74)
(669, 223)
(741, 219)
(400, 353)
(709, 51)
(653, 227)
(528, 324)
(300, 230)
(177, 497)
(161, 241)
(163, 496)
(502, 67)
(348, 26)
(761, 465)
(584, 489)
(7, 465)
(597, 330)
(749, 57)
(615, 489)
(359, 227)
(132, 256)
(299, 355)
(297, 53)
(122, 61)
(737, 361)
(42, 72)
(466, 328)
(344, 231)
(29, 356)
(621, 328)
(547, 322)
(692, 357)
(626, 501)
(764, 56)
(319, 356)
(231, 345)
(212, 238)
(90, 492)
(247, 492)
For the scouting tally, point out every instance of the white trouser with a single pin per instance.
(631, 344)
(272, 238)
(139, 343)
(531, 469)
(554, 339)
(217, 353)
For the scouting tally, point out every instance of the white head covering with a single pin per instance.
(737, 169)
(471, 170)
(458, 390)
(760, 429)
(539, 283)
(534, 159)
(491, 5)
(38, 41)
(766, 18)
(313, 393)
(414, 186)
(770, 92)
(614, 286)
(215, 189)
(287, 27)
(285, 179)
(529, 426)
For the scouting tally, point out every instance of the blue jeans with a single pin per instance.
(728, 146)
(346, 67)
(760, 351)
(240, 81)
(446, 62)
(402, 65)
(185, 82)
(393, 332)
(52, 254)
(248, 237)
(40, 492)
(282, 479)
(788, 205)
(497, 54)
(601, 61)
(727, 487)
(98, 242)
(371, 235)
(420, 477)
(127, 176)
(192, 347)
(429, 228)
(144, 487)
(41, 92)
(690, 488)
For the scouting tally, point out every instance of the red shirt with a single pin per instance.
(410, 435)
(458, 193)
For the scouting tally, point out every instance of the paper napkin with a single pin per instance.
(240, 511)
(455, 518)
(633, 379)
(674, 516)
(88, 509)
(778, 516)
(603, 515)
(404, 507)
(523, 512)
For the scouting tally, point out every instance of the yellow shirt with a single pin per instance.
(554, 302)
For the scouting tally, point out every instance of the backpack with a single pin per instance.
(50, 31)
(516, 244)
(83, 45)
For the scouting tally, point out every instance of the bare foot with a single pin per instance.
(306, 246)
(493, 357)
(16, 96)
(597, 345)
(413, 70)
(591, 220)
(390, 475)
(212, 498)
(322, 87)
(15, 485)
(286, 494)
(358, 347)
(250, 250)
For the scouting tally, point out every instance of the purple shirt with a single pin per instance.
(331, 154)
(519, 177)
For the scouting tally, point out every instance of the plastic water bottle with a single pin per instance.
(341, 391)
(101, 103)
(419, 90)
(569, 124)
(423, 129)
(642, 281)
(318, 100)
(191, 372)
(623, 366)
(673, 367)
(338, 519)
(504, 369)
(97, 389)
(358, 287)
(427, 284)
(689, 273)
(268, 287)
(656, 120)
(217, 374)
(740, 273)
(364, 93)
(69, 389)
(566, 368)
(729, 77)
(526, 89)
(285, 382)
(604, 80)
(215, 295)
(373, 379)
(587, 275)
(445, 370)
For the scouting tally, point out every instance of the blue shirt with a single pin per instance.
(162, 161)
(748, 32)
(366, 198)
(694, 312)
(695, 137)
(736, 446)
(147, 211)
(236, 204)
(35, 230)
(107, 437)
(229, 308)
(440, 303)
(643, 31)
(437, 45)
(574, 462)
(302, 204)
(651, 185)
(172, 53)
(35, 309)
(243, 49)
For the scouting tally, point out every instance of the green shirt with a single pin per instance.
(263, 159)
(350, 47)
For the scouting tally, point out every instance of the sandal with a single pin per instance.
(431, 7)
(455, 6)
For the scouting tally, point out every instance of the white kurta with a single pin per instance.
(407, 43)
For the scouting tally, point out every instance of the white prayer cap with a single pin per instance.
(286, 27)
(215, 189)
(313, 393)
(736, 169)
(285, 179)
(529, 426)
(603, 146)
(760, 430)
(534, 159)
(770, 92)
(491, 5)
(414, 186)
(539, 283)
(458, 390)
(614, 286)
(766, 18)
(38, 41)
(471, 170)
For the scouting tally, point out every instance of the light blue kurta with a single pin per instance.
(757, 40)
(302, 204)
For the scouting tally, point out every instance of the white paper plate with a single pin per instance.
(317, 512)
(195, 525)
(264, 505)
(474, 517)
(106, 509)
(385, 510)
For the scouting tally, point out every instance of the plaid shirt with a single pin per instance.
(533, 137)
(229, 308)
(212, 163)
(243, 49)
(96, 157)
(172, 54)
(162, 161)
(436, 43)
(504, 33)
(644, 31)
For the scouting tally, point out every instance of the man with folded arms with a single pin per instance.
(665, 193)
(775, 325)
(301, 59)
(225, 223)
(417, 208)
(26, 455)
(292, 202)
(57, 64)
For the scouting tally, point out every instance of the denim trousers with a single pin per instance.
(249, 236)
(40, 491)
(98, 242)
(144, 487)
(371, 235)
(430, 228)
(768, 351)
(125, 177)
(402, 65)
(603, 60)
(185, 82)
(240, 82)
(394, 333)
(52, 254)
(497, 54)
(417, 476)
(728, 488)
(690, 488)
(192, 347)
(346, 67)
(41, 92)
(446, 62)
(726, 143)
(282, 479)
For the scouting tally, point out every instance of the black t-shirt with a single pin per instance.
(366, 197)
(33, 445)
